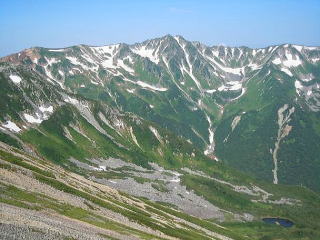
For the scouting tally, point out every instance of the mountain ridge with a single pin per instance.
(170, 35)
(203, 82)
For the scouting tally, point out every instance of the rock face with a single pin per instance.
(195, 91)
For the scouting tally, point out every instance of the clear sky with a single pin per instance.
(61, 23)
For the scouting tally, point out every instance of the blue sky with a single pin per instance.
(58, 23)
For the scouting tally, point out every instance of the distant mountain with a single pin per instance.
(171, 121)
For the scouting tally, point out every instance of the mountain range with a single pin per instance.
(206, 139)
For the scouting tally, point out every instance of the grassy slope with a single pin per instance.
(47, 174)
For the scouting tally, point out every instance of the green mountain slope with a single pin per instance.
(168, 123)
(190, 89)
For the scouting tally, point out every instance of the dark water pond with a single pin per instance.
(280, 221)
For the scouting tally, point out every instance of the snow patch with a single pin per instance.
(71, 100)
(298, 85)
(57, 50)
(148, 86)
(315, 60)
(32, 119)
(149, 53)
(276, 61)
(46, 109)
(102, 168)
(287, 71)
(108, 63)
(61, 73)
(309, 93)
(254, 52)
(210, 90)
(291, 62)
(11, 126)
(254, 66)
(312, 48)
(236, 71)
(16, 79)
(125, 67)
